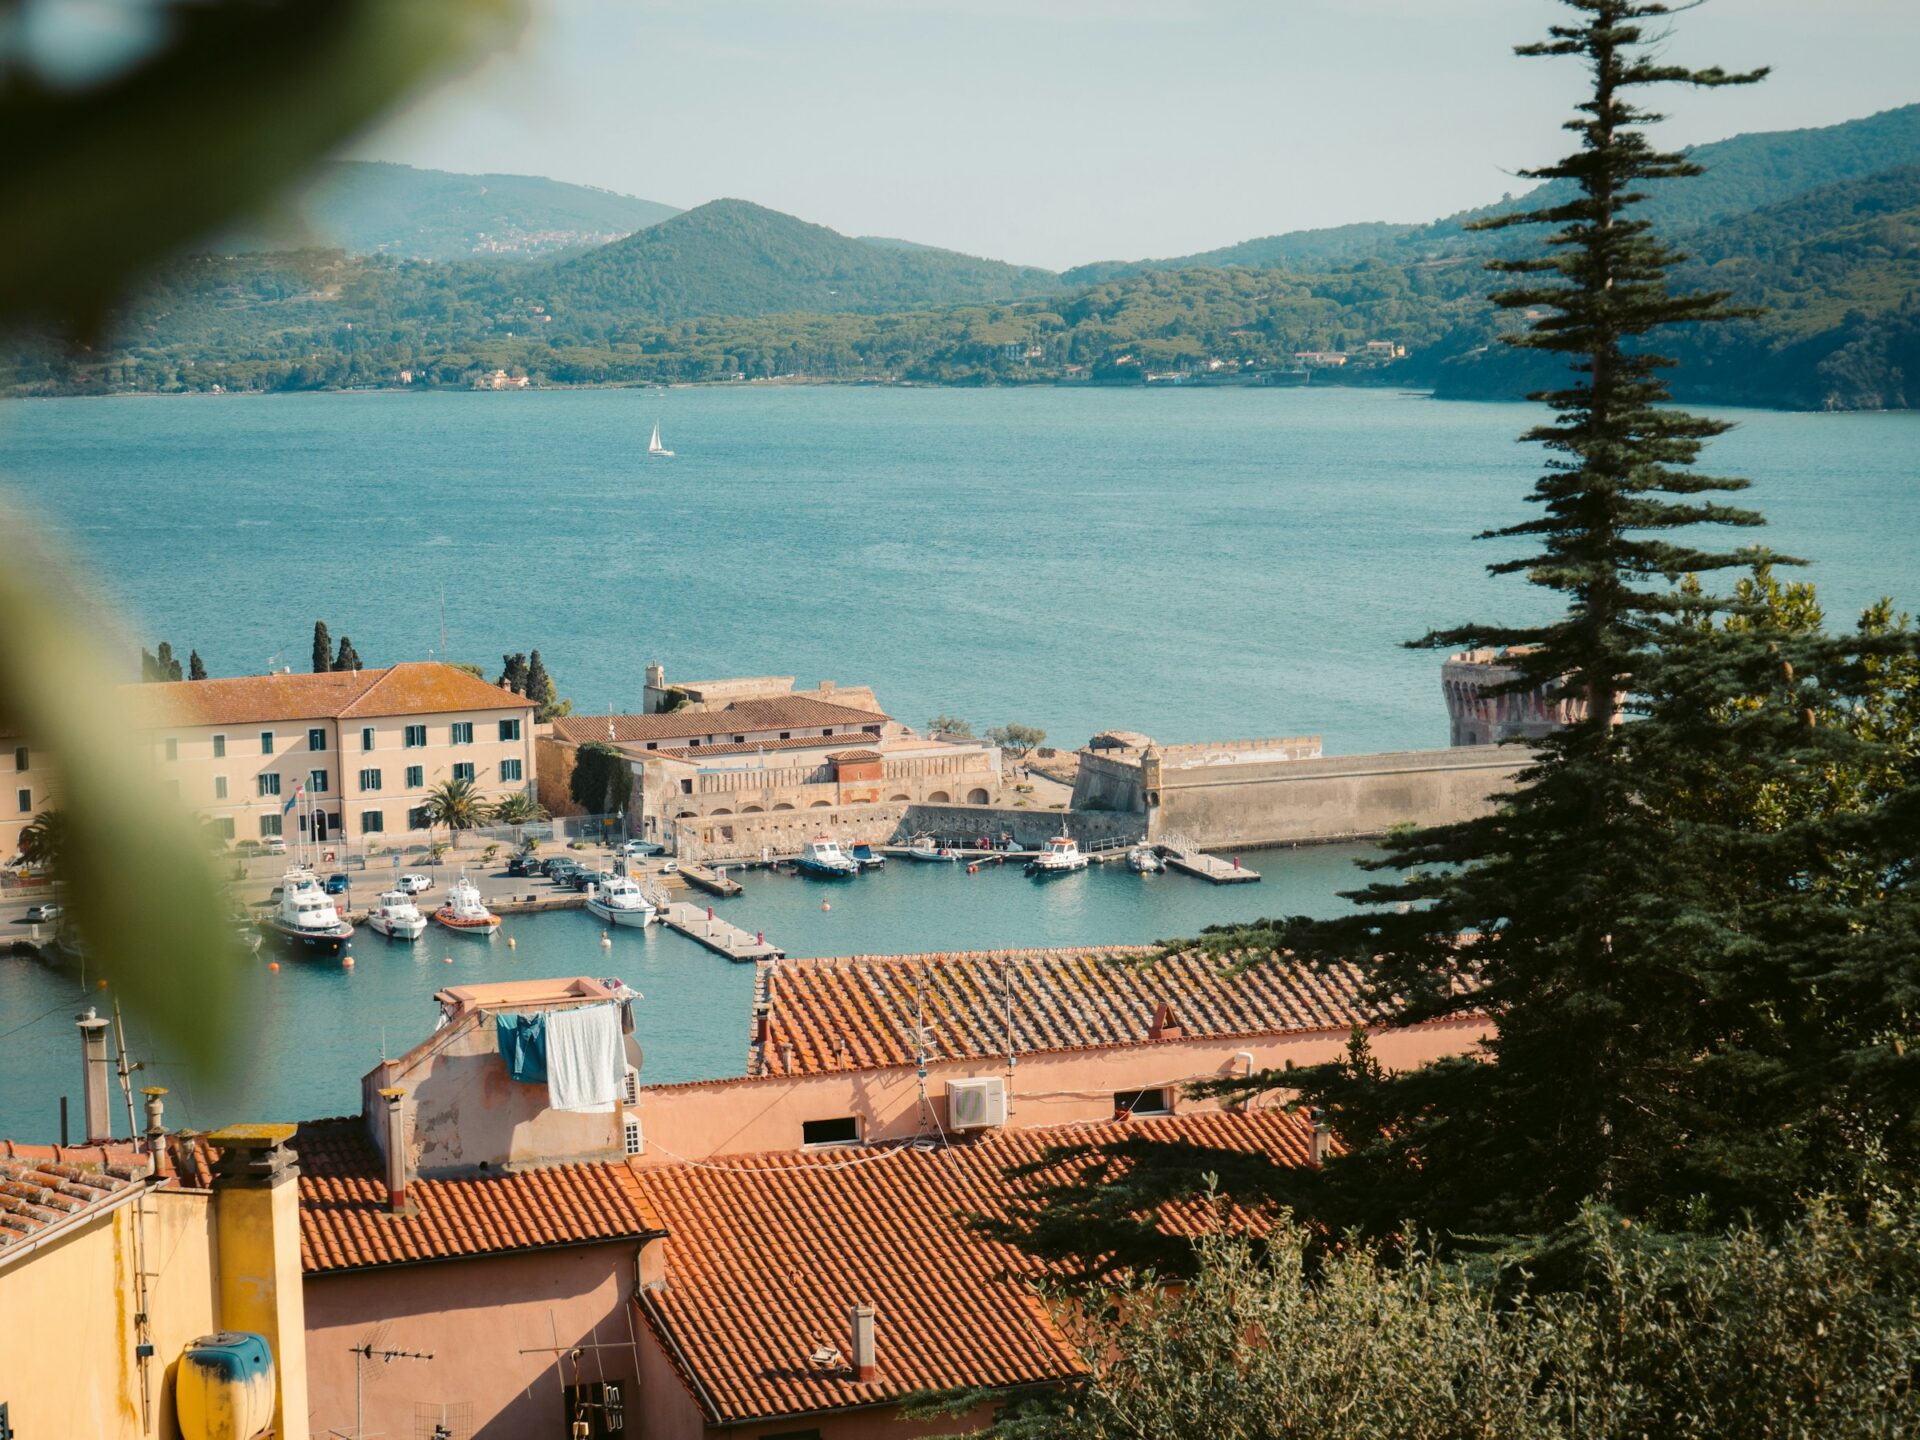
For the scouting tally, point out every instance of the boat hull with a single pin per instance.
(308, 942)
(616, 916)
(396, 929)
(819, 871)
(1046, 872)
(480, 928)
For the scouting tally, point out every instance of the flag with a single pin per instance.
(299, 794)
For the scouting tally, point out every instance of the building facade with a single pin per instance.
(1481, 710)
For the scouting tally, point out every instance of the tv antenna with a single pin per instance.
(374, 1347)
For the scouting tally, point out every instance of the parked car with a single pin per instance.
(337, 884)
(276, 846)
(525, 863)
(559, 864)
(415, 884)
(581, 879)
(642, 847)
(45, 911)
(669, 867)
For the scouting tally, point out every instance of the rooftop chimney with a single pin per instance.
(95, 1105)
(1322, 1139)
(396, 1148)
(864, 1364)
(156, 1130)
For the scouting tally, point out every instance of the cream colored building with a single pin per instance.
(356, 751)
(32, 788)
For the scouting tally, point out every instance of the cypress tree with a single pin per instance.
(165, 666)
(347, 658)
(539, 688)
(513, 672)
(322, 648)
(196, 669)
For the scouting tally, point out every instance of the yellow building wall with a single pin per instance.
(67, 1326)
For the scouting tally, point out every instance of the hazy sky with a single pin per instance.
(1059, 131)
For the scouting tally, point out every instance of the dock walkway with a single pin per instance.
(1182, 855)
(701, 878)
(719, 936)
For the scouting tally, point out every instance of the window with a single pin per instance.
(266, 742)
(416, 737)
(369, 779)
(686, 787)
(270, 826)
(786, 734)
(316, 739)
(366, 737)
(317, 782)
(270, 784)
(509, 769)
(25, 798)
(20, 757)
(739, 739)
(372, 822)
(1142, 1102)
(173, 748)
(418, 819)
(509, 729)
(463, 770)
(827, 731)
(596, 1410)
(223, 826)
(844, 1131)
(219, 747)
(631, 1136)
(416, 776)
(653, 744)
(460, 733)
(219, 787)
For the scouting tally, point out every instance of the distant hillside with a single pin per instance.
(373, 208)
(731, 257)
(1744, 173)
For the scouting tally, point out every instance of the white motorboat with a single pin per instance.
(1061, 857)
(823, 857)
(655, 450)
(305, 918)
(924, 847)
(397, 917)
(464, 911)
(620, 900)
(1144, 859)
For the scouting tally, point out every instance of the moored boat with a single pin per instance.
(822, 858)
(464, 912)
(1061, 857)
(1144, 859)
(925, 847)
(866, 857)
(304, 919)
(397, 917)
(620, 900)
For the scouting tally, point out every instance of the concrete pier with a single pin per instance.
(701, 878)
(1211, 868)
(719, 936)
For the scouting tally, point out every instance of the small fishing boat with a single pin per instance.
(1144, 859)
(397, 917)
(620, 900)
(866, 857)
(304, 919)
(655, 450)
(1061, 857)
(822, 858)
(924, 847)
(464, 912)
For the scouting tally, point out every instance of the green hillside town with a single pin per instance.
(1305, 837)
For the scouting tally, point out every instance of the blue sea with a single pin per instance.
(1189, 563)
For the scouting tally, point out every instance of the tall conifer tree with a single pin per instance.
(347, 658)
(322, 648)
(196, 668)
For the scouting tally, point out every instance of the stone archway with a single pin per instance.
(751, 810)
(905, 797)
(783, 806)
(939, 797)
(821, 805)
(978, 796)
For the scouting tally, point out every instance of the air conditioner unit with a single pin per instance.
(978, 1104)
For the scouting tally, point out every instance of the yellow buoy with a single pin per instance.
(510, 943)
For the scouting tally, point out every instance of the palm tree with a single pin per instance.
(456, 805)
(44, 840)
(518, 808)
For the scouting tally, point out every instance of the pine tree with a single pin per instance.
(348, 658)
(165, 667)
(540, 689)
(513, 672)
(322, 648)
(196, 668)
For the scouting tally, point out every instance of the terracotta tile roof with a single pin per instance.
(788, 712)
(861, 1013)
(345, 1223)
(44, 1186)
(839, 756)
(413, 688)
(766, 1255)
(695, 752)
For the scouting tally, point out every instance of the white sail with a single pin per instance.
(654, 447)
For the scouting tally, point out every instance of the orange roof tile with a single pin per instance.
(44, 1186)
(411, 688)
(345, 1223)
(766, 1255)
(785, 713)
(861, 1013)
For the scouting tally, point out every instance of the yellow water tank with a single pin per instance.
(223, 1388)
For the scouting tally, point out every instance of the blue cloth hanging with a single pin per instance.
(523, 1045)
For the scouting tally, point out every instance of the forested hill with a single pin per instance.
(1743, 174)
(733, 291)
(373, 208)
(732, 257)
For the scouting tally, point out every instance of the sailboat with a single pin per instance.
(655, 450)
